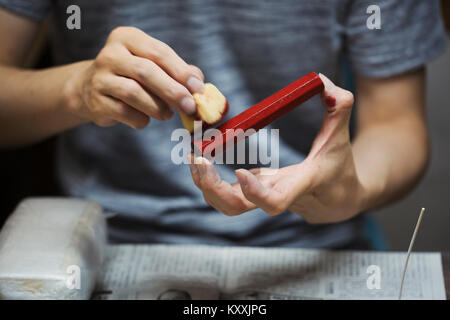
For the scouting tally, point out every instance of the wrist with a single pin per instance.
(72, 93)
(370, 194)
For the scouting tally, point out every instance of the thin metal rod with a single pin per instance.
(411, 245)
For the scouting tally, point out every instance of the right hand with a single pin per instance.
(134, 78)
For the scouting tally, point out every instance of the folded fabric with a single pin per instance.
(51, 248)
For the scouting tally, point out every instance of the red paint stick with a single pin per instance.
(262, 113)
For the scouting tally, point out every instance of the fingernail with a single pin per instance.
(198, 160)
(195, 85)
(200, 165)
(188, 106)
(194, 168)
(329, 85)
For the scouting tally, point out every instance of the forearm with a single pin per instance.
(390, 159)
(36, 104)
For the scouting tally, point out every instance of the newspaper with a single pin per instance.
(207, 272)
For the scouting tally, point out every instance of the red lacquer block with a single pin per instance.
(262, 113)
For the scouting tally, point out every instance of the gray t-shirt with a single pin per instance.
(248, 49)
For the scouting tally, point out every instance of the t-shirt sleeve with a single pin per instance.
(411, 34)
(34, 9)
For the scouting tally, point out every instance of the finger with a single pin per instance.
(273, 200)
(132, 93)
(198, 71)
(250, 185)
(258, 194)
(220, 194)
(336, 99)
(194, 170)
(120, 111)
(157, 81)
(142, 45)
(335, 128)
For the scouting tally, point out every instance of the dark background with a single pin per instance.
(29, 171)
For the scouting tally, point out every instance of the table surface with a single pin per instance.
(446, 269)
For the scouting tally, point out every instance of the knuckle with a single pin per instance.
(143, 69)
(160, 51)
(142, 122)
(130, 90)
(175, 93)
(347, 99)
(182, 73)
(275, 209)
(157, 50)
(163, 54)
(106, 57)
(156, 54)
(119, 32)
(198, 71)
(97, 82)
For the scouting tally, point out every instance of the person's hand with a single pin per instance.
(324, 188)
(134, 78)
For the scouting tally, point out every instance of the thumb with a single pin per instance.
(335, 126)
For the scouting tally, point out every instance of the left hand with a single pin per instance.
(324, 188)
